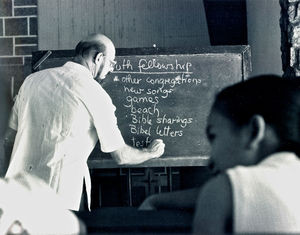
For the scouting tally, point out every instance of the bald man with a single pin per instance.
(60, 114)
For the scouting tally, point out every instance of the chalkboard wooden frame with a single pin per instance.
(185, 159)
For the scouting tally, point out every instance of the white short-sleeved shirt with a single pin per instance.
(266, 196)
(59, 115)
(30, 201)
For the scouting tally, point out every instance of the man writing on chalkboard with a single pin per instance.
(59, 115)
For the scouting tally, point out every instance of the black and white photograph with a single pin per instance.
(149, 117)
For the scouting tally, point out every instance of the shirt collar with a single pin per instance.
(83, 71)
(281, 156)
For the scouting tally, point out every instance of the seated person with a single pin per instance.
(254, 133)
(29, 206)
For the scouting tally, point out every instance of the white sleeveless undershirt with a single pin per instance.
(266, 197)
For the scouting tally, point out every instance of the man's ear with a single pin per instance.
(98, 58)
(257, 126)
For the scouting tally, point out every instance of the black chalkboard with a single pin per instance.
(166, 93)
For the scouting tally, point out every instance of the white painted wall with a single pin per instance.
(264, 36)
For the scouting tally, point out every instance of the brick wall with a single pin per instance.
(18, 38)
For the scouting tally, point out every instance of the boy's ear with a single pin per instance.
(257, 131)
(98, 58)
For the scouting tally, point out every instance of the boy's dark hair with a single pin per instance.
(275, 98)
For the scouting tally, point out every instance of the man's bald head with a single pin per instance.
(97, 53)
(101, 40)
(94, 44)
